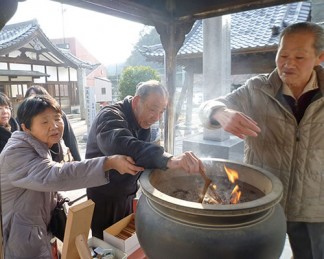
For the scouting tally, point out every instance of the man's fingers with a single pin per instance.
(238, 123)
(249, 125)
(249, 119)
(133, 169)
(191, 162)
(127, 166)
(241, 126)
(130, 160)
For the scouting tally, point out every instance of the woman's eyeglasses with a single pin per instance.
(5, 108)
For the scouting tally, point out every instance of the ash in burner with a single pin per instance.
(180, 194)
(189, 188)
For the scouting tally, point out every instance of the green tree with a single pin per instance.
(133, 75)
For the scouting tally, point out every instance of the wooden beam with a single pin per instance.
(171, 11)
(260, 63)
(18, 60)
(7, 9)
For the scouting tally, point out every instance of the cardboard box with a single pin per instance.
(96, 242)
(128, 245)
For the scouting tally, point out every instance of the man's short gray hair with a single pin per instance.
(302, 27)
(144, 89)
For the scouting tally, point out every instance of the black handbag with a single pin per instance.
(58, 219)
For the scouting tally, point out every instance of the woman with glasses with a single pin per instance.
(7, 123)
(68, 135)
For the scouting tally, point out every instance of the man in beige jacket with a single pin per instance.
(281, 116)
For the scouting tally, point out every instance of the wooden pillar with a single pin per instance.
(1, 236)
(189, 83)
(170, 61)
(172, 37)
(181, 99)
(7, 9)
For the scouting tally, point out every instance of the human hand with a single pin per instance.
(122, 164)
(187, 161)
(236, 123)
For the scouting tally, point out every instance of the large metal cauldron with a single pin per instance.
(169, 227)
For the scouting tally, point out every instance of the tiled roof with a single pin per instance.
(12, 34)
(254, 29)
(16, 36)
(77, 60)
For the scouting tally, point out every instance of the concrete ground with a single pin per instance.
(80, 129)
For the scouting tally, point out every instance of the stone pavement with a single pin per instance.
(80, 129)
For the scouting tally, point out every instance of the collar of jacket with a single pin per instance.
(24, 137)
(130, 113)
(269, 84)
(320, 78)
(272, 83)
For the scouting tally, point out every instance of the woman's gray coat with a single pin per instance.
(30, 180)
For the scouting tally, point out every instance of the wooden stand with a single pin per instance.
(75, 243)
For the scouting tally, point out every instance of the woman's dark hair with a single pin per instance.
(39, 90)
(34, 105)
(4, 100)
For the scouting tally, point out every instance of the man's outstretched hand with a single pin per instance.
(187, 161)
(236, 123)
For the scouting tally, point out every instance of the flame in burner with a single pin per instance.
(235, 195)
(232, 177)
(231, 174)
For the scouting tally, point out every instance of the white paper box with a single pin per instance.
(128, 245)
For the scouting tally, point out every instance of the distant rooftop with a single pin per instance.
(28, 36)
(252, 30)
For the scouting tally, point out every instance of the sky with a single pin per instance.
(109, 39)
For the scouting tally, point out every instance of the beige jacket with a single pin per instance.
(292, 152)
